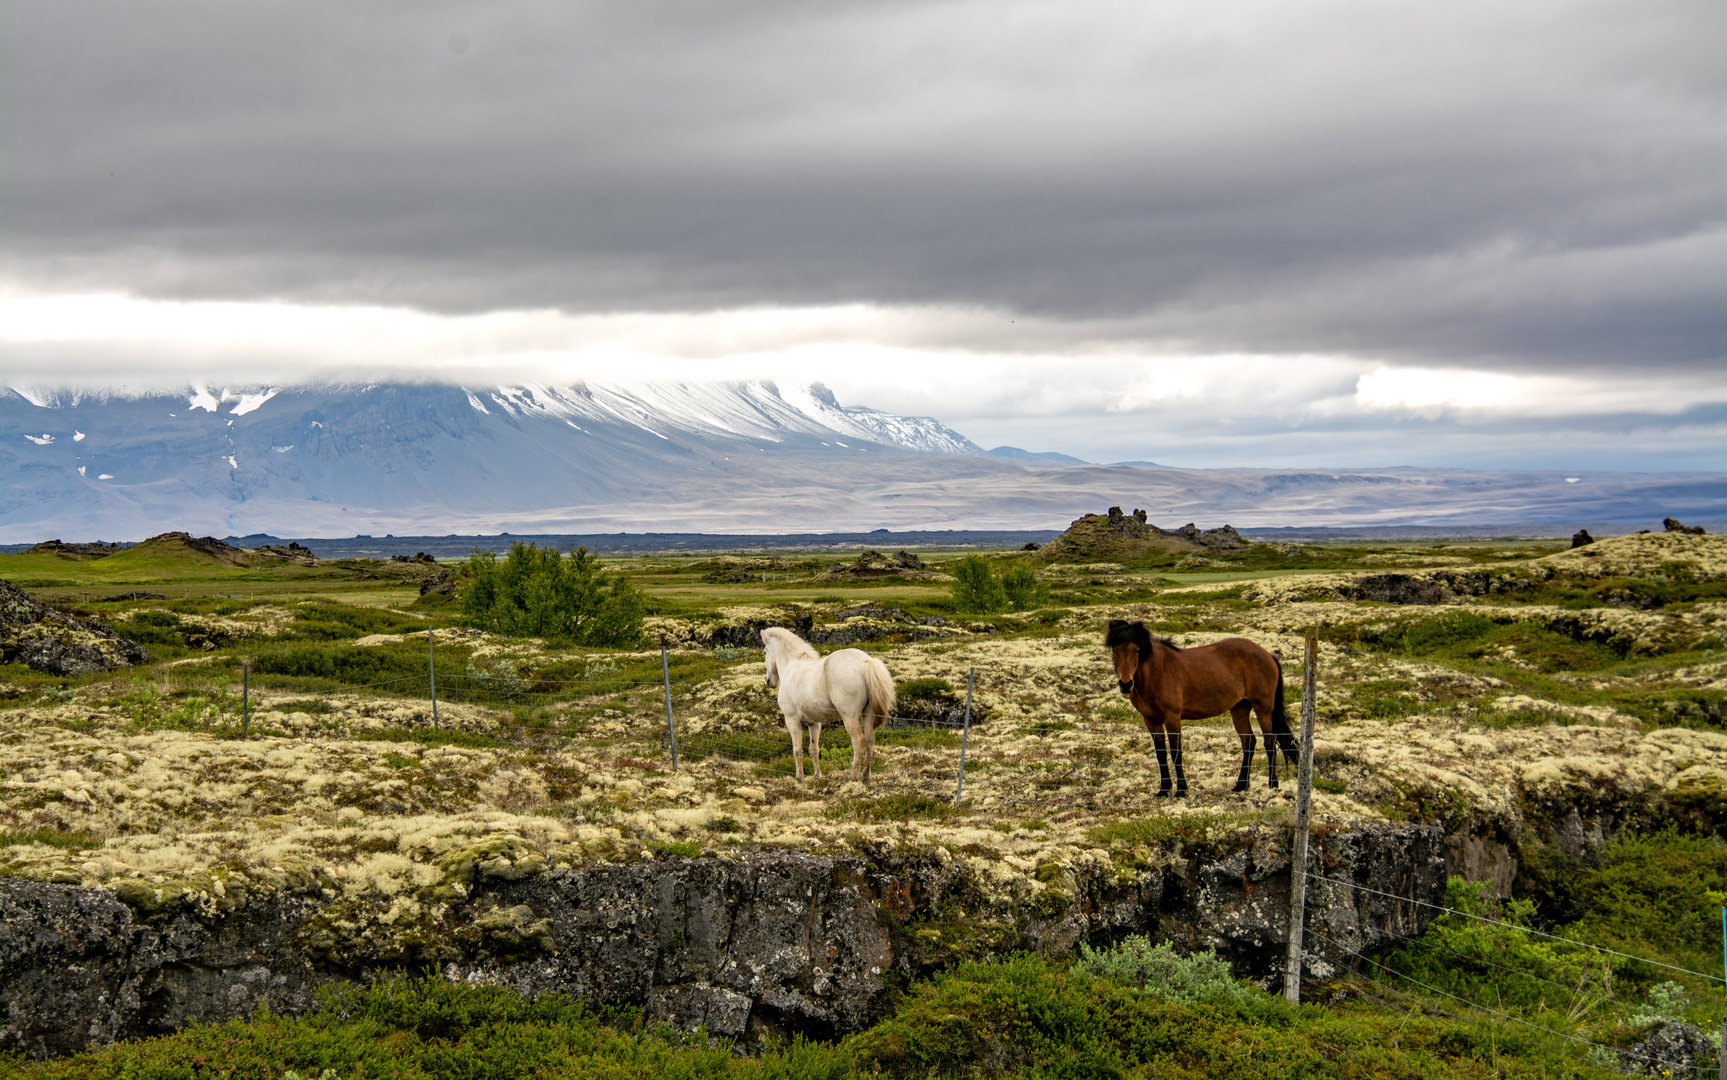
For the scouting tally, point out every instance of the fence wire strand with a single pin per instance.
(1643, 1058)
(1524, 929)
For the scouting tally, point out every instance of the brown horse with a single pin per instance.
(1169, 684)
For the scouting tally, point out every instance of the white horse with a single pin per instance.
(850, 683)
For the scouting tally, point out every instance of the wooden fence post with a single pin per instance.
(245, 699)
(432, 677)
(964, 737)
(1303, 825)
(671, 728)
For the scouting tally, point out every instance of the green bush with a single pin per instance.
(1422, 637)
(347, 665)
(427, 1028)
(538, 592)
(1159, 970)
(327, 620)
(975, 588)
(1668, 880)
(925, 688)
(1021, 1017)
(1501, 961)
(1024, 592)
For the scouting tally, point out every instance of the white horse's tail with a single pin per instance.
(881, 693)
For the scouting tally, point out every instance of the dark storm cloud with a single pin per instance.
(1519, 186)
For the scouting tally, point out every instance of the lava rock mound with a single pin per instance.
(51, 641)
(1114, 536)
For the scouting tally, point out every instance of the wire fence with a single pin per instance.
(1582, 993)
(754, 732)
(1600, 1053)
(1443, 909)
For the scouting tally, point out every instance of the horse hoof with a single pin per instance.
(1238, 789)
(1181, 793)
(1163, 793)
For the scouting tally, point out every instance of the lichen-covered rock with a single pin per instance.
(78, 969)
(774, 941)
(1671, 1049)
(56, 643)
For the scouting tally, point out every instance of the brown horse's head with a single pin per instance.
(1129, 642)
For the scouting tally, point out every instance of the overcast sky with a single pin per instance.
(1211, 233)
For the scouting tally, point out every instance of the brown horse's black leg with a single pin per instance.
(1271, 758)
(1162, 764)
(1247, 745)
(1175, 753)
(1157, 740)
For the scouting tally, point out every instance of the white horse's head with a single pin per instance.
(768, 653)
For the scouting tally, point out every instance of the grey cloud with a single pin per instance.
(1530, 186)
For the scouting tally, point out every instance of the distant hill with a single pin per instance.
(1046, 455)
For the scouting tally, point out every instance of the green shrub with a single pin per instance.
(925, 688)
(432, 1028)
(538, 592)
(1160, 831)
(51, 837)
(348, 665)
(1023, 591)
(1667, 1003)
(891, 808)
(327, 620)
(1668, 880)
(1500, 961)
(975, 588)
(1421, 637)
(1159, 970)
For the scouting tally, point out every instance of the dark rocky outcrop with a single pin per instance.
(1671, 1048)
(294, 552)
(741, 570)
(748, 634)
(96, 550)
(51, 641)
(1581, 538)
(203, 545)
(442, 585)
(1431, 586)
(1675, 525)
(765, 942)
(873, 564)
(1115, 535)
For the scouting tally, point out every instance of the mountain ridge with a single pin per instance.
(729, 458)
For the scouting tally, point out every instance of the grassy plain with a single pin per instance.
(1584, 676)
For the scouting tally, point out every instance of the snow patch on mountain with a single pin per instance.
(250, 402)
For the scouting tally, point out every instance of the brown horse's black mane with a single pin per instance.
(1122, 632)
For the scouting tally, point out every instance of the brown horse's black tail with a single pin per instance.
(1280, 723)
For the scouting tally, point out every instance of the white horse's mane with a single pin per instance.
(793, 645)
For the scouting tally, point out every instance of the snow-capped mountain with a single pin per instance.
(749, 410)
(268, 457)
(746, 457)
